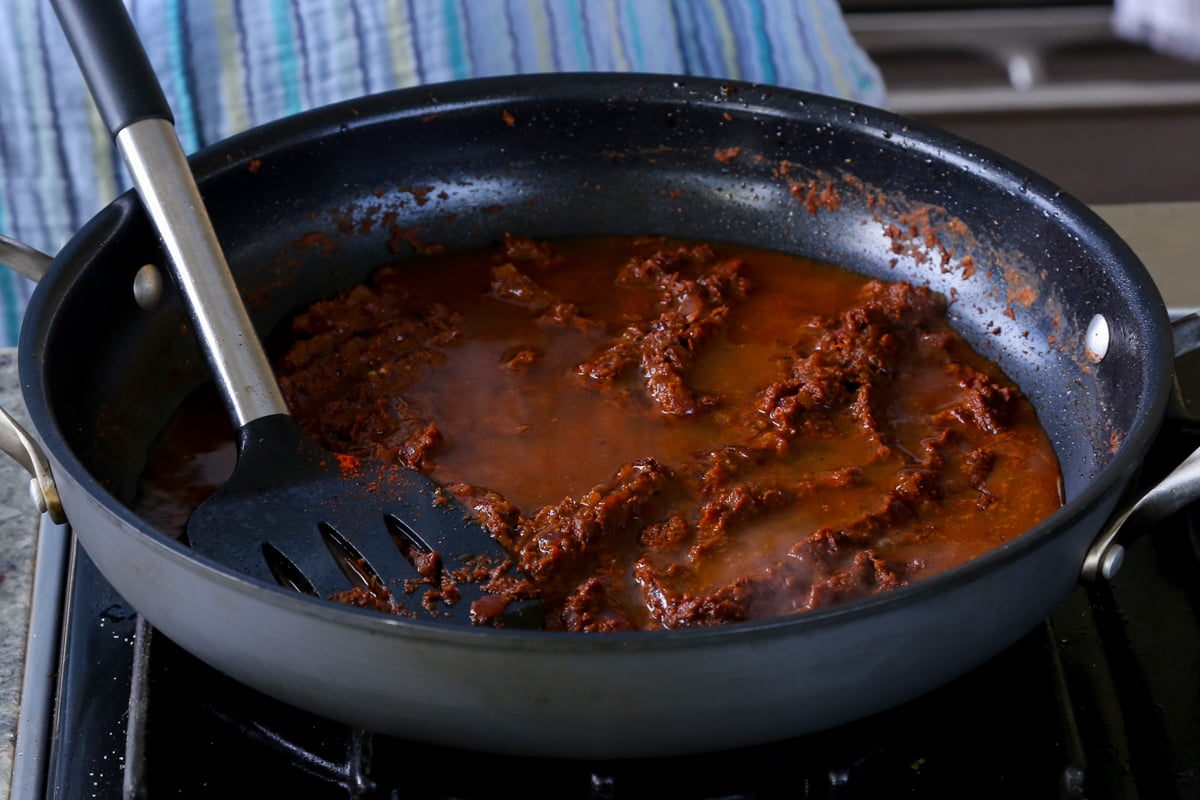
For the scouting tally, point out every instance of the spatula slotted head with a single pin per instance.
(367, 534)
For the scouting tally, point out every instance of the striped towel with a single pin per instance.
(227, 65)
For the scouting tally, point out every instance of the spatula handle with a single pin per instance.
(131, 101)
(114, 63)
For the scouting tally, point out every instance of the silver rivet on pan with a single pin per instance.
(1097, 338)
(148, 286)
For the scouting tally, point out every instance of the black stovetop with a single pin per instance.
(1100, 701)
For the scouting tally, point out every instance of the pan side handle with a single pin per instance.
(23, 449)
(1180, 487)
(23, 259)
(14, 440)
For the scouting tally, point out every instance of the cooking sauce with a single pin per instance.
(662, 433)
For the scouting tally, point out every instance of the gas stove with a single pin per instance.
(1102, 700)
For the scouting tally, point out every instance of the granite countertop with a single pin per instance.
(1165, 235)
(18, 538)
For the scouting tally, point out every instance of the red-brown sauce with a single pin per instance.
(663, 434)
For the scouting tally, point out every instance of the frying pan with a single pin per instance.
(308, 205)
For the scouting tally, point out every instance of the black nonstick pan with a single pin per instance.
(308, 205)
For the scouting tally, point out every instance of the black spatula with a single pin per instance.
(291, 512)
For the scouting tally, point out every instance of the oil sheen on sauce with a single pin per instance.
(664, 434)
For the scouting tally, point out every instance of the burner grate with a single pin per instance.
(1003, 728)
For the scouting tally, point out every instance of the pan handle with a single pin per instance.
(1179, 488)
(17, 443)
(21, 258)
(14, 439)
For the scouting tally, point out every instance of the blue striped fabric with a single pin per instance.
(227, 65)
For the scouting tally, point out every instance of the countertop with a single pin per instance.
(18, 537)
(1166, 236)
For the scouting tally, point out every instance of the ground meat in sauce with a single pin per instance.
(671, 434)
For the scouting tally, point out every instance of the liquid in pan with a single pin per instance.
(662, 433)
